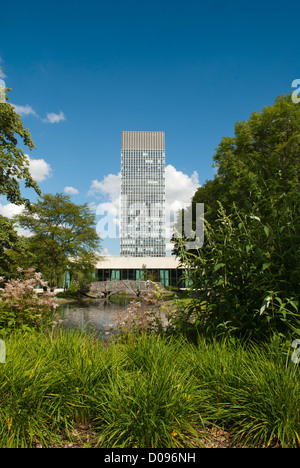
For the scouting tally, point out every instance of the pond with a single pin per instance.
(93, 316)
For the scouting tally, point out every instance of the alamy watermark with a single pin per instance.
(193, 238)
(2, 352)
(295, 357)
(2, 92)
(147, 220)
(296, 84)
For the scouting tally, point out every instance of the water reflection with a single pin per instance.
(93, 316)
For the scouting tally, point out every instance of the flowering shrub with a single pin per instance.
(21, 306)
(145, 316)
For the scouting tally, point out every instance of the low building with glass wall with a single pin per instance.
(165, 270)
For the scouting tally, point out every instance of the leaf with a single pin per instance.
(248, 248)
(294, 304)
(218, 266)
(267, 231)
(221, 281)
(265, 266)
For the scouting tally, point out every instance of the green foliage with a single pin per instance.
(153, 403)
(250, 390)
(81, 277)
(261, 162)
(248, 271)
(148, 275)
(64, 236)
(9, 240)
(148, 391)
(140, 317)
(248, 278)
(14, 164)
(21, 307)
(14, 168)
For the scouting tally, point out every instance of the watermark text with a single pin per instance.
(296, 84)
(2, 92)
(2, 352)
(295, 357)
(141, 220)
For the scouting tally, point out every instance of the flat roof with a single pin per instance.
(136, 263)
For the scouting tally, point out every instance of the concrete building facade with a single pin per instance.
(142, 230)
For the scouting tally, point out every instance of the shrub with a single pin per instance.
(21, 306)
(248, 275)
(144, 316)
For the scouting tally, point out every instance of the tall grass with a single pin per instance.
(253, 392)
(149, 391)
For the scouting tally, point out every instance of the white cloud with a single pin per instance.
(110, 186)
(10, 210)
(109, 190)
(39, 169)
(180, 189)
(112, 208)
(71, 191)
(54, 118)
(51, 118)
(2, 74)
(24, 110)
(92, 206)
(23, 232)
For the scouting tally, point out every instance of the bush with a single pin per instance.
(22, 307)
(148, 315)
(247, 275)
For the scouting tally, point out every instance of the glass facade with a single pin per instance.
(143, 194)
(167, 277)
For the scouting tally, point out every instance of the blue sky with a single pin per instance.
(81, 72)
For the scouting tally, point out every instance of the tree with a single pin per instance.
(261, 161)
(9, 239)
(149, 275)
(250, 261)
(14, 164)
(14, 167)
(63, 236)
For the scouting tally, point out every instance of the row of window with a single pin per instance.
(131, 240)
(148, 186)
(146, 222)
(142, 242)
(143, 165)
(170, 277)
(149, 199)
(142, 234)
(149, 153)
(142, 197)
(148, 160)
(140, 177)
